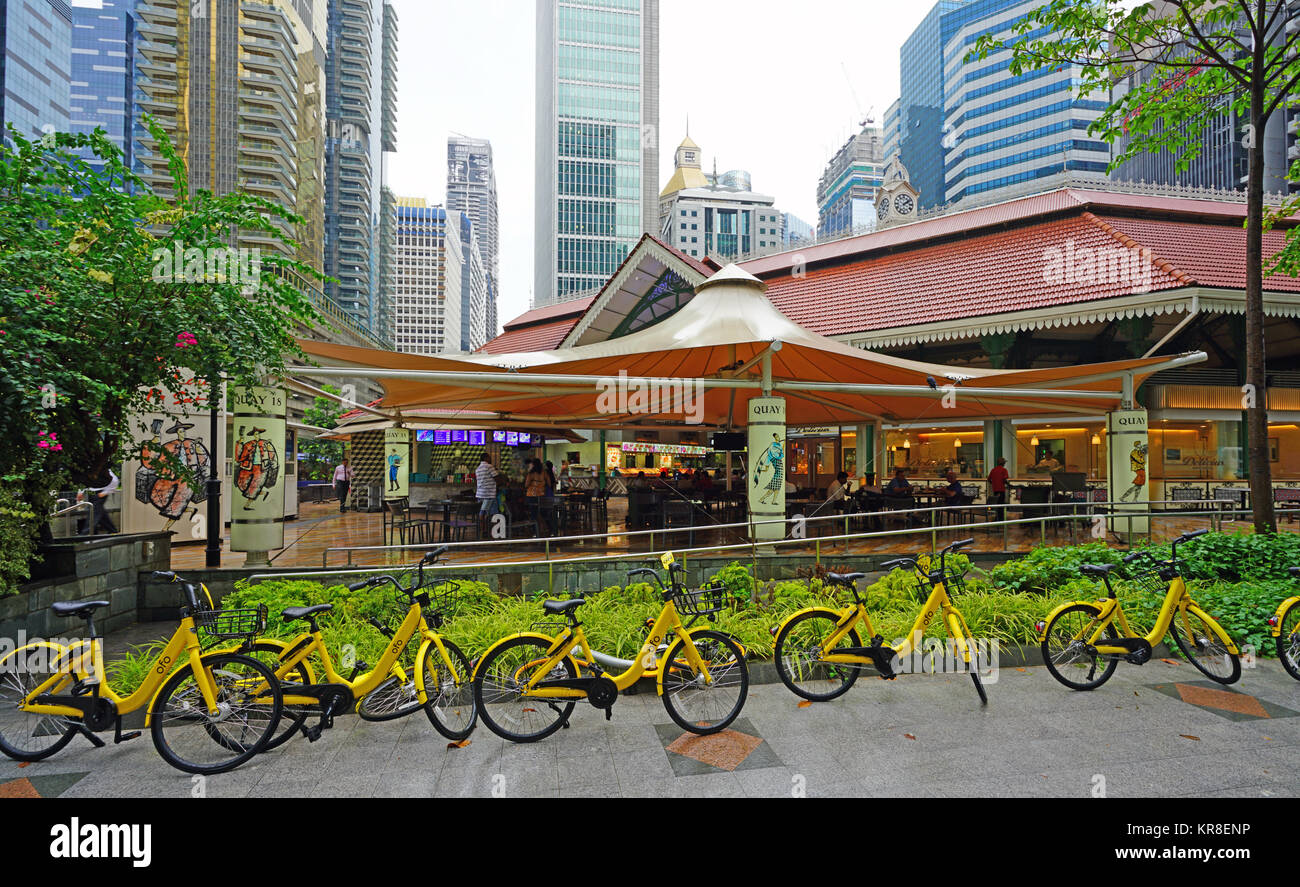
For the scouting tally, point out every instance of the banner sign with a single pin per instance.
(397, 463)
(1129, 476)
(767, 455)
(257, 497)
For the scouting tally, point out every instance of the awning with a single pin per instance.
(719, 342)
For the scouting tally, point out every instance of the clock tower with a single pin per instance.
(896, 200)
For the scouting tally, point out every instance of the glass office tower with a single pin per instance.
(35, 66)
(597, 139)
(103, 44)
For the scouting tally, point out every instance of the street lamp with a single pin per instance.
(216, 460)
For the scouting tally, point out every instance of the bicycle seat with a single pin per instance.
(80, 609)
(293, 614)
(563, 607)
(843, 578)
(1096, 569)
(1294, 571)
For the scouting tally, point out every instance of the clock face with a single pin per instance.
(903, 203)
(882, 209)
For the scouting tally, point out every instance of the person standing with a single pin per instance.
(535, 492)
(98, 497)
(998, 479)
(342, 483)
(485, 488)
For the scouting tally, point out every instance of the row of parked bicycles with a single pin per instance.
(220, 693)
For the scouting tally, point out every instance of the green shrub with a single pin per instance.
(19, 525)
(1049, 567)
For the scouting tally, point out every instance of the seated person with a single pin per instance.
(703, 482)
(839, 488)
(899, 485)
(953, 491)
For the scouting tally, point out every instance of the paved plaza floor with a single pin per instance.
(1155, 730)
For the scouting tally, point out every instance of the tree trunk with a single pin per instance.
(1256, 393)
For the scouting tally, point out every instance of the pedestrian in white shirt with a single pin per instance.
(342, 482)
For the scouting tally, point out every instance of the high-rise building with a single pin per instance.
(361, 117)
(35, 66)
(716, 215)
(795, 231)
(1004, 132)
(473, 288)
(472, 189)
(597, 139)
(428, 261)
(103, 90)
(920, 116)
(846, 192)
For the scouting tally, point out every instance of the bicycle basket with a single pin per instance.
(231, 625)
(444, 594)
(702, 602)
(1155, 582)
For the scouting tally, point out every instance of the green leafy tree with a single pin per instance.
(1189, 61)
(322, 455)
(95, 320)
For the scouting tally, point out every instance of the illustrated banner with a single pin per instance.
(257, 498)
(766, 483)
(1128, 444)
(397, 463)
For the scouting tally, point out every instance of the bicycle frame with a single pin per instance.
(1275, 625)
(561, 647)
(303, 646)
(938, 602)
(89, 663)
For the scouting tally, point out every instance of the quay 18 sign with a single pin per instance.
(257, 492)
(397, 463)
(1129, 478)
(767, 456)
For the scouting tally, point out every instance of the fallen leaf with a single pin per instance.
(462, 744)
(908, 736)
(1020, 669)
(805, 703)
(1190, 736)
(1171, 661)
(24, 764)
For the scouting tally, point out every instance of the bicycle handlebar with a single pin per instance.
(187, 588)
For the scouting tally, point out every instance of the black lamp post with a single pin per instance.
(216, 462)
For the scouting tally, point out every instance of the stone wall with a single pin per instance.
(103, 568)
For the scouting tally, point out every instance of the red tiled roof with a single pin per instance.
(534, 337)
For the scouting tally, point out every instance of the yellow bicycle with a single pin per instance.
(819, 653)
(527, 685)
(1284, 625)
(206, 712)
(439, 683)
(1083, 641)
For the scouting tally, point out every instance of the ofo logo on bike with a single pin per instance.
(943, 656)
(241, 267)
(86, 840)
(623, 396)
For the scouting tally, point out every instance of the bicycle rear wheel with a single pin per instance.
(695, 704)
(1066, 651)
(1288, 641)
(499, 693)
(25, 736)
(799, 656)
(269, 653)
(249, 705)
(1206, 646)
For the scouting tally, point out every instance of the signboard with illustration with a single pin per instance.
(397, 463)
(767, 457)
(257, 497)
(1128, 446)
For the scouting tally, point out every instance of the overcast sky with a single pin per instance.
(771, 87)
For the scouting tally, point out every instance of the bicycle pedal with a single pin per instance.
(127, 737)
(312, 733)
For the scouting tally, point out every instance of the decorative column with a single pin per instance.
(1128, 478)
(397, 463)
(767, 455)
(257, 500)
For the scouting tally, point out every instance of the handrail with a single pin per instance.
(71, 509)
(1129, 512)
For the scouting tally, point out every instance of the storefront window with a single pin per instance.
(1211, 450)
(1048, 449)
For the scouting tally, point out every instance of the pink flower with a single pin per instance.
(184, 340)
(44, 445)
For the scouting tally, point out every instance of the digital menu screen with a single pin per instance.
(512, 438)
(477, 438)
(498, 437)
(459, 436)
(423, 436)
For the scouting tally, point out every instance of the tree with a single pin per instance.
(1192, 60)
(108, 292)
(322, 455)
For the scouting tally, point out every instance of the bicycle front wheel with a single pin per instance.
(702, 705)
(1288, 642)
(269, 653)
(1066, 651)
(191, 738)
(499, 693)
(25, 736)
(1206, 645)
(449, 688)
(800, 656)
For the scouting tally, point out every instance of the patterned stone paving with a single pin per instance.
(738, 747)
(1225, 701)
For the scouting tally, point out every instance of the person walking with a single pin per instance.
(98, 497)
(485, 490)
(342, 483)
(998, 478)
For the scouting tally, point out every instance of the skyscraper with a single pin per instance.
(360, 111)
(846, 192)
(35, 66)
(428, 261)
(920, 103)
(472, 189)
(103, 44)
(473, 289)
(597, 139)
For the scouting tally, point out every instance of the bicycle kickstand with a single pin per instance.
(94, 740)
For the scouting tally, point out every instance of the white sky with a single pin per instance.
(769, 86)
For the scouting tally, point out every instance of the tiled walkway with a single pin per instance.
(322, 527)
(1155, 730)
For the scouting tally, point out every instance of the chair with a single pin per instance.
(464, 519)
(400, 524)
(679, 513)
